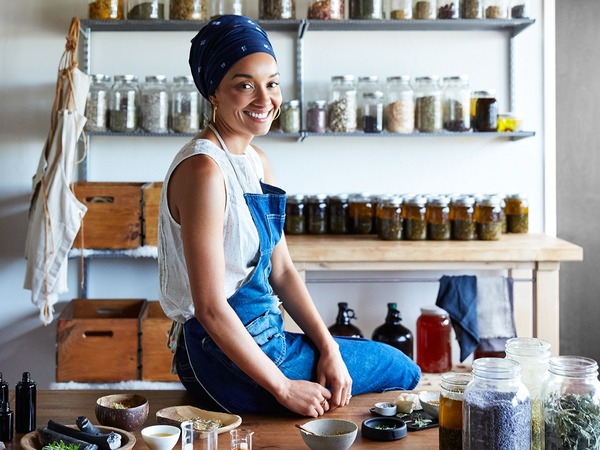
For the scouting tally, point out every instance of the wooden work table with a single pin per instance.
(270, 432)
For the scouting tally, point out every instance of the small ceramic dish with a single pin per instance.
(430, 401)
(384, 429)
(385, 409)
(161, 437)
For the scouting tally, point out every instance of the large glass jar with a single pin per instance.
(290, 117)
(154, 104)
(520, 9)
(187, 10)
(146, 10)
(428, 104)
(389, 218)
(414, 224)
(399, 113)
(517, 213)
(496, 407)
(437, 212)
(295, 214)
(571, 404)
(96, 106)
(362, 213)
(495, 9)
(123, 104)
(424, 9)
(401, 9)
(451, 409)
(366, 9)
(317, 214)
(276, 9)
(434, 347)
(533, 355)
(448, 9)
(372, 112)
(339, 215)
(326, 10)
(218, 8)
(342, 104)
(316, 116)
(185, 105)
(488, 218)
(457, 103)
(471, 9)
(462, 222)
(106, 9)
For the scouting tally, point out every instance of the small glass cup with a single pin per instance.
(199, 435)
(241, 439)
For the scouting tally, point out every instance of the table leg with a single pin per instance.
(546, 306)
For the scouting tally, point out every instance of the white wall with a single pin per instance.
(33, 37)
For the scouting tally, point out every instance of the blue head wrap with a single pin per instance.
(220, 44)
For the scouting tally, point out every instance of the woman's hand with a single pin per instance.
(333, 373)
(304, 397)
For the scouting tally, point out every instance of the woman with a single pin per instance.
(224, 264)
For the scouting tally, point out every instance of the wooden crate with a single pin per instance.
(150, 204)
(113, 219)
(156, 356)
(99, 340)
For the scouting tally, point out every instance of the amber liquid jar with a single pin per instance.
(488, 219)
(362, 213)
(106, 9)
(317, 214)
(434, 350)
(437, 216)
(451, 409)
(462, 222)
(295, 214)
(414, 224)
(389, 219)
(517, 213)
(339, 218)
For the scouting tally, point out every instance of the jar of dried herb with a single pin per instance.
(401, 9)
(341, 110)
(495, 9)
(517, 213)
(424, 9)
(448, 9)
(185, 105)
(123, 104)
(277, 9)
(290, 117)
(366, 9)
(187, 10)
(154, 104)
(146, 10)
(96, 106)
(339, 214)
(462, 221)
(437, 212)
(317, 214)
(428, 104)
(399, 112)
(488, 218)
(106, 9)
(326, 10)
(414, 224)
(471, 9)
(361, 209)
(456, 103)
(389, 218)
(295, 214)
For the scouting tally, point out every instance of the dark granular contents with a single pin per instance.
(148, 10)
(518, 12)
(448, 12)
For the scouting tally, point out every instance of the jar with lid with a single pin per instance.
(326, 10)
(362, 213)
(146, 9)
(389, 218)
(448, 9)
(218, 8)
(495, 9)
(488, 218)
(399, 113)
(316, 116)
(185, 105)
(457, 103)
(437, 216)
(106, 9)
(295, 214)
(517, 213)
(401, 9)
(571, 404)
(496, 407)
(424, 9)
(341, 110)
(366, 9)
(317, 214)
(474, 96)
(486, 112)
(434, 347)
(372, 112)
(510, 122)
(343, 323)
(123, 104)
(96, 106)
(428, 104)
(462, 222)
(451, 409)
(277, 9)
(414, 224)
(187, 10)
(533, 355)
(365, 84)
(154, 104)
(471, 9)
(339, 215)
(290, 117)
(520, 9)
(393, 333)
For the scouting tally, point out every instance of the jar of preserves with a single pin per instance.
(510, 122)
(517, 213)
(339, 215)
(448, 9)
(342, 104)
(451, 409)
(326, 10)
(316, 116)
(106, 9)
(457, 103)
(185, 105)
(362, 213)
(123, 104)
(290, 117)
(437, 216)
(533, 355)
(295, 214)
(414, 224)
(486, 113)
(496, 407)
(389, 218)
(571, 404)
(154, 104)
(401, 9)
(372, 112)
(343, 323)
(462, 221)
(366, 85)
(218, 8)
(187, 10)
(495, 9)
(520, 9)
(424, 9)
(434, 347)
(366, 9)
(96, 106)
(488, 218)
(428, 104)
(393, 333)
(277, 9)
(146, 10)
(399, 113)
(317, 214)
(471, 9)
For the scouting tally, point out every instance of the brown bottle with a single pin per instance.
(393, 333)
(342, 326)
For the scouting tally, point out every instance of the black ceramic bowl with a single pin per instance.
(384, 428)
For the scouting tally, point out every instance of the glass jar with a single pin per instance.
(496, 9)
(571, 404)
(339, 215)
(366, 84)
(496, 407)
(474, 96)
(146, 10)
(434, 348)
(462, 222)
(517, 213)
(471, 9)
(187, 10)
(533, 355)
(428, 104)
(295, 214)
(372, 112)
(106, 9)
(366, 9)
(457, 103)
(154, 104)
(96, 106)
(290, 117)
(341, 110)
(451, 409)
(277, 9)
(218, 8)
(488, 218)
(510, 122)
(316, 116)
(448, 9)
(362, 213)
(326, 10)
(399, 113)
(123, 104)
(185, 105)
(520, 9)
(401, 9)
(389, 218)
(437, 212)
(393, 333)
(424, 9)
(486, 112)
(414, 224)
(317, 214)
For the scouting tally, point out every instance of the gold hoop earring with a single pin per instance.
(277, 114)
(214, 113)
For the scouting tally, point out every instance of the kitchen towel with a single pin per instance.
(495, 314)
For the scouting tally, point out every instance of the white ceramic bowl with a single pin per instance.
(331, 434)
(430, 401)
(161, 437)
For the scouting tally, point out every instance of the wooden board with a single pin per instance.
(156, 356)
(150, 205)
(31, 441)
(174, 415)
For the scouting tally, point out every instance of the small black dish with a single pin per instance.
(384, 428)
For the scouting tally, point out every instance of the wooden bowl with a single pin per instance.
(124, 411)
(31, 441)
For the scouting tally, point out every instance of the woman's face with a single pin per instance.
(249, 95)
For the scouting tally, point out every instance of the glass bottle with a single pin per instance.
(362, 213)
(326, 10)
(6, 421)
(533, 355)
(389, 218)
(277, 9)
(316, 116)
(154, 104)
(339, 214)
(372, 112)
(25, 404)
(488, 218)
(218, 8)
(520, 9)
(146, 10)
(317, 214)
(424, 9)
(414, 224)
(486, 112)
(106, 9)
(434, 348)
(448, 9)
(451, 409)
(495, 9)
(462, 222)
(341, 111)
(428, 104)
(96, 106)
(471, 9)
(457, 103)
(295, 214)
(496, 407)
(185, 105)
(517, 213)
(571, 404)
(366, 9)
(123, 104)
(399, 113)
(401, 9)
(290, 117)
(393, 333)
(3, 389)
(343, 325)
(437, 212)
(187, 10)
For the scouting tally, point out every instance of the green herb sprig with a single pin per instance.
(572, 421)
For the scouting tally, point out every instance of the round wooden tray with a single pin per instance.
(31, 441)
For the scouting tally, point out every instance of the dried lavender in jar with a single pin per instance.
(316, 117)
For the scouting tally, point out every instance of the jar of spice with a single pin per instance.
(399, 113)
(185, 105)
(218, 8)
(401, 9)
(106, 9)
(123, 104)
(187, 10)
(316, 116)
(520, 9)
(277, 9)
(488, 218)
(451, 409)
(366, 9)
(342, 104)
(448, 9)
(146, 9)
(457, 103)
(317, 214)
(326, 10)
(424, 9)
(290, 117)
(462, 222)
(154, 104)
(372, 112)
(486, 112)
(295, 214)
(362, 213)
(496, 9)
(437, 215)
(389, 218)
(471, 9)
(96, 106)
(517, 213)
(428, 104)
(414, 224)
(434, 348)
(339, 215)
(496, 407)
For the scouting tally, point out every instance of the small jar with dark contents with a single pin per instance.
(389, 218)
(317, 214)
(462, 222)
(456, 103)
(486, 112)
(414, 223)
(362, 213)
(520, 9)
(437, 216)
(339, 214)
(316, 116)
(372, 112)
(276, 9)
(448, 9)
(295, 214)
(517, 213)
(488, 218)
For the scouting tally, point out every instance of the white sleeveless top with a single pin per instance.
(240, 237)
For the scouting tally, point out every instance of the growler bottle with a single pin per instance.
(393, 333)
(342, 326)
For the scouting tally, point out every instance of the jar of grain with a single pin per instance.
(389, 218)
(520, 9)
(123, 104)
(372, 112)
(437, 212)
(495, 9)
(316, 116)
(448, 9)
(96, 106)
(290, 117)
(218, 8)
(295, 214)
(488, 218)
(146, 10)
(517, 213)
(401, 9)
(277, 9)
(399, 113)
(342, 104)
(471, 9)
(339, 214)
(361, 210)
(185, 105)
(187, 10)
(424, 9)
(326, 10)
(317, 214)
(154, 104)
(456, 108)
(106, 9)
(366, 9)
(428, 104)
(462, 222)
(414, 223)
